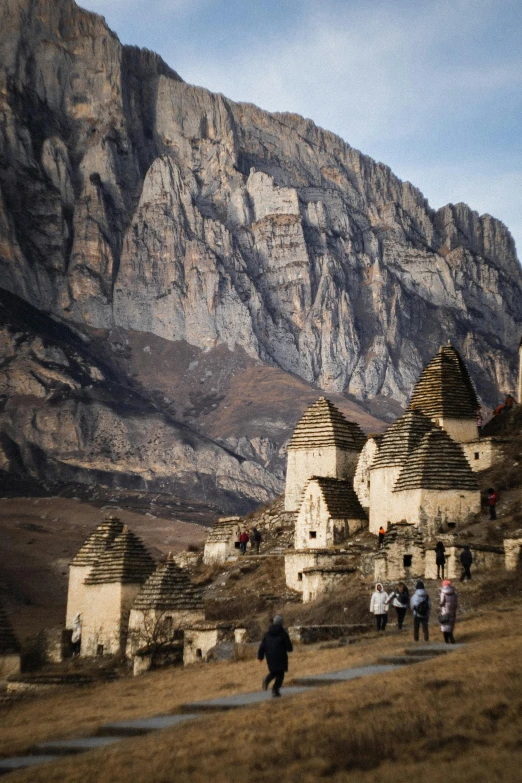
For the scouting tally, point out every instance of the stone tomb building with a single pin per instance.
(167, 603)
(324, 443)
(82, 565)
(9, 648)
(402, 555)
(110, 590)
(361, 479)
(220, 544)
(329, 513)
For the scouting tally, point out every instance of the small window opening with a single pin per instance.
(300, 576)
(452, 525)
(313, 534)
(236, 544)
(167, 622)
(99, 649)
(477, 455)
(199, 654)
(407, 561)
(368, 485)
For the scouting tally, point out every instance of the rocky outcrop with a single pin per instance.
(130, 198)
(133, 203)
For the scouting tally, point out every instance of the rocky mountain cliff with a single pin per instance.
(132, 203)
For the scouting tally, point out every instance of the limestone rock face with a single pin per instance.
(132, 201)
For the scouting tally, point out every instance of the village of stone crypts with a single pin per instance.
(422, 481)
(357, 509)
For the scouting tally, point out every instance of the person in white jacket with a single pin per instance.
(379, 606)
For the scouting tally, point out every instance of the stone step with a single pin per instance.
(437, 648)
(72, 747)
(131, 728)
(237, 700)
(22, 762)
(344, 675)
(402, 660)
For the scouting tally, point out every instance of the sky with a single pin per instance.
(432, 88)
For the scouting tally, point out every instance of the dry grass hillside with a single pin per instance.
(453, 718)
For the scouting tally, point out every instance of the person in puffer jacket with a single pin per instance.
(448, 610)
(421, 607)
(275, 648)
(401, 601)
(379, 606)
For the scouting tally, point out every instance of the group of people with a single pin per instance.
(420, 605)
(255, 539)
(466, 561)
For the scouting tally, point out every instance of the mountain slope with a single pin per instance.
(132, 203)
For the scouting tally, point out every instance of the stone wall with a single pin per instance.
(484, 452)
(485, 559)
(310, 634)
(433, 510)
(9, 666)
(302, 464)
(220, 545)
(361, 480)
(76, 592)
(382, 499)
(320, 579)
(106, 617)
(512, 549)
(155, 626)
(401, 556)
(296, 561)
(461, 430)
(201, 640)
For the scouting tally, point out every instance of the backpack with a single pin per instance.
(422, 609)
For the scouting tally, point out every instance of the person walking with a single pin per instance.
(401, 601)
(275, 648)
(421, 606)
(492, 502)
(256, 539)
(382, 533)
(379, 606)
(243, 541)
(466, 558)
(448, 610)
(440, 559)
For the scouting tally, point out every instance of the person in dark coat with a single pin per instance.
(275, 648)
(466, 558)
(440, 559)
(256, 539)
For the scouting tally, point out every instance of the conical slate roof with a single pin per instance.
(98, 542)
(401, 438)
(445, 388)
(126, 560)
(169, 588)
(438, 463)
(322, 424)
(340, 498)
(8, 642)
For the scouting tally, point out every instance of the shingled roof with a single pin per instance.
(322, 424)
(401, 438)
(8, 642)
(126, 560)
(445, 388)
(98, 542)
(438, 463)
(223, 529)
(340, 498)
(169, 588)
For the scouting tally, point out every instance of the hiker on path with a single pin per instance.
(243, 541)
(275, 648)
(492, 502)
(401, 601)
(421, 606)
(382, 533)
(256, 539)
(448, 610)
(440, 559)
(76, 638)
(466, 558)
(379, 606)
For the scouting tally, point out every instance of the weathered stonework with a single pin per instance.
(402, 554)
(484, 452)
(321, 579)
(201, 639)
(361, 480)
(512, 550)
(220, 544)
(329, 513)
(485, 559)
(106, 617)
(297, 561)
